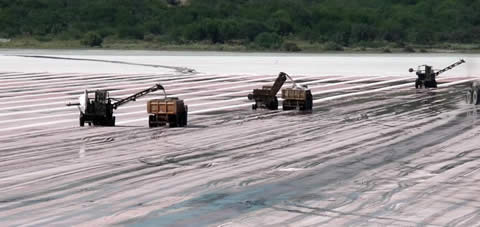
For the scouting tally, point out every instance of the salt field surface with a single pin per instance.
(374, 151)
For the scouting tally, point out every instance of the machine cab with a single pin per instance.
(424, 72)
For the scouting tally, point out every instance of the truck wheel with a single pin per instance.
(185, 118)
(309, 103)
(112, 122)
(254, 106)
(302, 107)
(82, 121)
(475, 98)
(173, 121)
(468, 97)
(150, 121)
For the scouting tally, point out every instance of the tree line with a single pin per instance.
(261, 23)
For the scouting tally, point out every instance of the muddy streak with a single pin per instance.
(179, 69)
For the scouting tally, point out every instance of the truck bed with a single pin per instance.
(165, 106)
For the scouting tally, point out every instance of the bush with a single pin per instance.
(92, 39)
(43, 38)
(130, 32)
(291, 47)
(409, 49)
(268, 40)
(149, 37)
(332, 46)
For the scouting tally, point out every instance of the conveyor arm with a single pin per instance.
(138, 95)
(282, 77)
(450, 67)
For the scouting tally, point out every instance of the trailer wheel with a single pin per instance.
(475, 98)
(468, 97)
(82, 120)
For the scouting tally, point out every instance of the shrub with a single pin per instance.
(291, 47)
(43, 38)
(332, 46)
(268, 40)
(409, 49)
(92, 39)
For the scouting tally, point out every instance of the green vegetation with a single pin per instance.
(284, 25)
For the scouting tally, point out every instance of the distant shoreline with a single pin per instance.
(303, 47)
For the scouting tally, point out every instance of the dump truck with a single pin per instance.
(297, 98)
(171, 111)
(426, 75)
(266, 97)
(473, 93)
(99, 109)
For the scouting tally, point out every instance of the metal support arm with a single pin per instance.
(138, 95)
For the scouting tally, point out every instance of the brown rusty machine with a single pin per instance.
(426, 75)
(296, 97)
(473, 93)
(171, 111)
(266, 97)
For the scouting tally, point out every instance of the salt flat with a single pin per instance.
(374, 151)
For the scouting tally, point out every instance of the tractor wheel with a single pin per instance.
(468, 97)
(82, 120)
(430, 84)
(475, 98)
(273, 104)
(418, 84)
(112, 122)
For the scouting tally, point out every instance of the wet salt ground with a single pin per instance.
(369, 155)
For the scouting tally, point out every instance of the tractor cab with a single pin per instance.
(425, 77)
